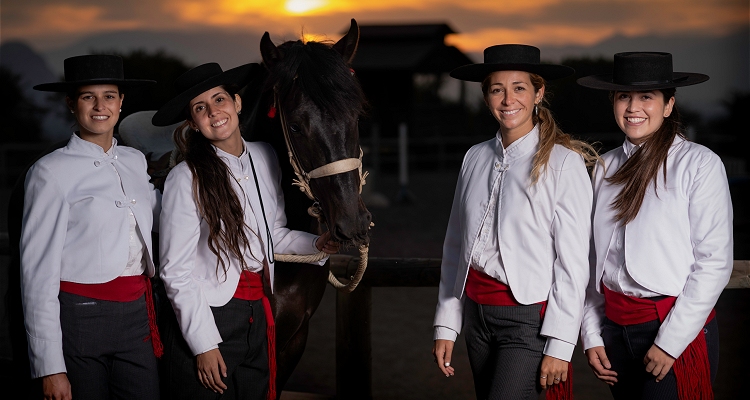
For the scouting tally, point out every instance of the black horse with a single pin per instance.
(313, 86)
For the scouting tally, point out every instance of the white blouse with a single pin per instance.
(679, 244)
(77, 228)
(540, 240)
(189, 267)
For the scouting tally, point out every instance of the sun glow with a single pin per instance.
(303, 6)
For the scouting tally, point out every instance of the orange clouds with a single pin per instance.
(64, 19)
(480, 23)
(536, 35)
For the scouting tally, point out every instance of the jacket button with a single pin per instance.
(97, 163)
(132, 201)
(118, 203)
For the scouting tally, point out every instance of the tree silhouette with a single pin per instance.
(19, 115)
(158, 66)
(582, 112)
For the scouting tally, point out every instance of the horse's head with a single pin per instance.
(319, 102)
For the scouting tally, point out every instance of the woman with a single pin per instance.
(86, 252)
(515, 255)
(662, 231)
(223, 218)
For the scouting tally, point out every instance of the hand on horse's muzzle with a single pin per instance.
(325, 244)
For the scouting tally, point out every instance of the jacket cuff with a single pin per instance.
(670, 347)
(46, 357)
(559, 349)
(445, 333)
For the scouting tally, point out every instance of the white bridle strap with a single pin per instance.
(333, 168)
(336, 167)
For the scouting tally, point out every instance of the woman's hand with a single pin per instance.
(325, 244)
(442, 350)
(56, 387)
(658, 362)
(211, 370)
(553, 371)
(599, 363)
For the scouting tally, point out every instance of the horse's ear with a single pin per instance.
(347, 45)
(269, 51)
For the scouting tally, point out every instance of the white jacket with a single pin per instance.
(543, 232)
(76, 228)
(188, 267)
(679, 244)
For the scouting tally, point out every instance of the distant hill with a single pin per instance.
(32, 69)
(195, 47)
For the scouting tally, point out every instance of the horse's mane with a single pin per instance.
(323, 77)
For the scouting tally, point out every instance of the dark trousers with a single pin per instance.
(626, 348)
(107, 351)
(242, 325)
(505, 350)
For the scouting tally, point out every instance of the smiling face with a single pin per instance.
(640, 114)
(97, 110)
(511, 98)
(215, 114)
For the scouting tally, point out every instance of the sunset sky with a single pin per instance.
(50, 23)
(708, 36)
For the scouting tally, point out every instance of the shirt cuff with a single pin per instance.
(315, 248)
(445, 333)
(216, 346)
(559, 349)
(592, 340)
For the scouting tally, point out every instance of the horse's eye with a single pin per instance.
(294, 128)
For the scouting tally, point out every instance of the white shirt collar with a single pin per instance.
(91, 149)
(630, 148)
(519, 148)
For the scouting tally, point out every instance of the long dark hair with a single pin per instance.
(642, 168)
(217, 201)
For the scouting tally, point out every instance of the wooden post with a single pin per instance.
(353, 344)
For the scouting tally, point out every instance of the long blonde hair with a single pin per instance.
(550, 134)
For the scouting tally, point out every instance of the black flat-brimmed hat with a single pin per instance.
(511, 57)
(197, 81)
(636, 71)
(95, 69)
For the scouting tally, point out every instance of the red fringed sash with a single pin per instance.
(691, 368)
(250, 287)
(122, 289)
(486, 290)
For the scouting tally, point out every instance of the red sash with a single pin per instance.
(486, 290)
(691, 368)
(250, 287)
(122, 289)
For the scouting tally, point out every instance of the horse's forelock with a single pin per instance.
(323, 77)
